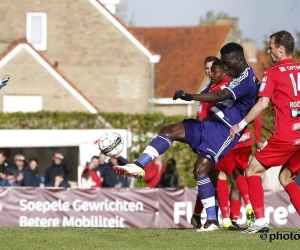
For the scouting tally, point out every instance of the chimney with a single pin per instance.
(250, 50)
(110, 5)
(228, 20)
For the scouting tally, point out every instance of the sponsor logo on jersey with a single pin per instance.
(293, 67)
(233, 83)
(295, 113)
(282, 69)
(262, 87)
(264, 79)
(295, 104)
(200, 108)
(245, 137)
(296, 126)
(297, 142)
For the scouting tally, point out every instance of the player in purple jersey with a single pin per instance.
(210, 137)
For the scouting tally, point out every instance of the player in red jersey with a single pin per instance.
(281, 85)
(234, 165)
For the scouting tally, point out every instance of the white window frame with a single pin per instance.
(43, 45)
(22, 103)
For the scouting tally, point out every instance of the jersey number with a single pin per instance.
(296, 85)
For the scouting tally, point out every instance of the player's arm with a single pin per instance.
(257, 109)
(214, 96)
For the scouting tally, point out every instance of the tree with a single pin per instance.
(121, 10)
(210, 18)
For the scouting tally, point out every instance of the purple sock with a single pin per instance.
(161, 143)
(206, 191)
(157, 146)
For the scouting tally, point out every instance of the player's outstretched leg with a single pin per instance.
(136, 169)
(160, 144)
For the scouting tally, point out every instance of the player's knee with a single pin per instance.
(222, 176)
(284, 179)
(174, 131)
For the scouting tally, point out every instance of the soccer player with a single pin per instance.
(280, 84)
(210, 137)
(202, 114)
(236, 157)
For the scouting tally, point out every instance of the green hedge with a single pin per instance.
(142, 126)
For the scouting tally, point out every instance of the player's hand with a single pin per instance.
(234, 130)
(258, 145)
(182, 95)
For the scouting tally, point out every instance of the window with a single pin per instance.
(36, 30)
(22, 103)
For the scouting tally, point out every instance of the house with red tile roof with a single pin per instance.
(71, 56)
(183, 50)
(78, 56)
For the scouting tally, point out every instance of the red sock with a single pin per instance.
(294, 192)
(235, 208)
(223, 197)
(198, 206)
(256, 194)
(242, 184)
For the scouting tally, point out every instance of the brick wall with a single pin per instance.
(90, 51)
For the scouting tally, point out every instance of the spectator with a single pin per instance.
(153, 171)
(10, 180)
(111, 179)
(169, 178)
(60, 167)
(18, 168)
(90, 177)
(102, 164)
(31, 174)
(59, 181)
(4, 164)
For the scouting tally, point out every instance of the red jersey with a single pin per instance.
(281, 83)
(204, 108)
(153, 173)
(91, 177)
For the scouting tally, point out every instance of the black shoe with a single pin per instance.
(234, 224)
(196, 221)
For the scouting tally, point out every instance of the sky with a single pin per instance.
(258, 19)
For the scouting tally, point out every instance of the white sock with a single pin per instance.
(248, 206)
(260, 221)
(226, 220)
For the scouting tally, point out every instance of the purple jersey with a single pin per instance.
(243, 90)
(211, 137)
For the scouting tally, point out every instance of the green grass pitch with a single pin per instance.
(141, 239)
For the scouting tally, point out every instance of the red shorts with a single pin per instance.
(277, 152)
(235, 158)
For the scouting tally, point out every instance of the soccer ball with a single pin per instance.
(111, 143)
